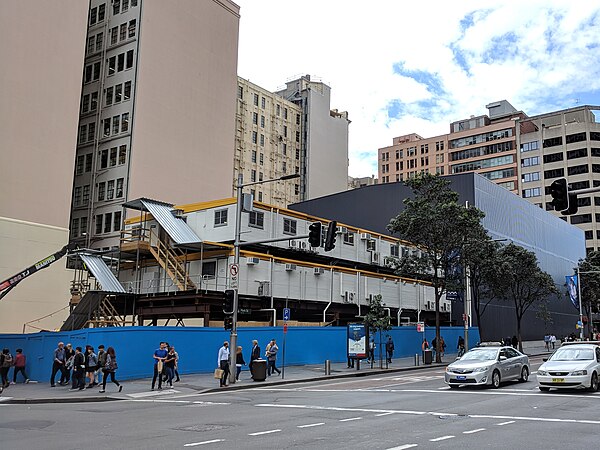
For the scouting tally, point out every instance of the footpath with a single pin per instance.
(41, 392)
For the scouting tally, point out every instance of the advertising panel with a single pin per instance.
(358, 338)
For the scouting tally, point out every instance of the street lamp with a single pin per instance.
(236, 260)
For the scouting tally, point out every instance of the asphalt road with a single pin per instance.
(395, 411)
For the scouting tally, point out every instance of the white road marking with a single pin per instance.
(263, 432)
(5, 399)
(432, 413)
(311, 425)
(193, 444)
(474, 431)
(404, 447)
(505, 423)
(443, 438)
(153, 393)
(157, 400)
(350, 419)
(211, 403)
(384, 414)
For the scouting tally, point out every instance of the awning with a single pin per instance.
(102, 273)
(175, 227)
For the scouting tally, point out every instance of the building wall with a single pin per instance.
(43, 293)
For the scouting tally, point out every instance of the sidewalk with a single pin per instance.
(204, 382)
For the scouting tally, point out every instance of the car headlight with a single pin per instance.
(448, 369)
(579, 372)
(481, 369)
(542, 373)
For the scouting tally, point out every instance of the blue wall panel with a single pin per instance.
(198, 347)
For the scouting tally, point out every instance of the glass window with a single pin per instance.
(79, 165)
(122, 154)
(104, 159)
(107, 127)
(101, 12)
(256, 219)
(125, 122)
(88, 162)
(99, 41)
(107, 222)
(114, 35)
(112, 64)
(90, 46)
(85, 198)
(120, 62)
(127, 91)
(125, 6)
(110, 190)
(101, 190)
(94, 101)
(116, 121)
(117, 221)
(116, 7)
(83, 226)
(109, 96)
(289, 226)
(123, 32)
(77, 196)
(348, 238)
(118, 93)
(113, 156)
(119, 192)
(82, 133)
(99, 224)
(220, 217)
(254, 156)
(93, 16)
(91, 131)
(74, 229)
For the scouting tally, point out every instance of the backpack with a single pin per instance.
(7, 360)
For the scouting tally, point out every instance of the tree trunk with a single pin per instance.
(519, 332)
(438, 357)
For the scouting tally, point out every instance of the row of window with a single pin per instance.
(479, 138)
(121, 6)
(533, 192)
(81, 195)
(122, 32)
(483, 164)
(79, 227)
(87, 132)
(482, 151)
(95, 43)
(120, 124)
(83, 164)
(118, 93)
(89, 102)
(105, 223)
(120, 62)
(91, 72)
(530, 146)
(113, 157)
(529, 177)
(499, 174)
(109, 190)
(97, 14)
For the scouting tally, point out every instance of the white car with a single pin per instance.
(575, 365)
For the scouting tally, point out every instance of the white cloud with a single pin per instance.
(539, 55)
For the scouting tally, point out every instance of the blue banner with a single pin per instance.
(572, 289)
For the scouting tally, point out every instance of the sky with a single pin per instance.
(401, 67)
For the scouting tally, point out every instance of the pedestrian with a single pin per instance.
(159, 357)
(514, 342)
(254, 355)
(109, 368)
(547, 342)
(372, 346)
(170, 366)
(176, 370)
(58, 365)
(389, 349)
(101, 362)
(442, 346)
(223, 363)
(20, 362)
(424, 346)
(272, 358)
(91, 365)
(460, 346)
(6, 362)
(434, 348)
(78, 370)
(239, 362)
(69, 355)
(553, 341)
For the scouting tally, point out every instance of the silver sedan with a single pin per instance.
(489, 365)
(574, 365)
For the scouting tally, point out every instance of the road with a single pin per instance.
(395, 411)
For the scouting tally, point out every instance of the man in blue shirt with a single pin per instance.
(223, 363)
(160, 354)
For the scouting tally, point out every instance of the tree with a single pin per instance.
(435, 222)
(590, 285)
(377, 320)
(519, 279)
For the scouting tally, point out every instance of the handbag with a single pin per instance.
(218, 373)
(159, 366)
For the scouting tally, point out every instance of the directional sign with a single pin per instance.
(234, 269)
(286, 314)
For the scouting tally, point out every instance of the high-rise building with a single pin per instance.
(157, 111)
(42, 54)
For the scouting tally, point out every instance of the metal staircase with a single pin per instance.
(170, 260)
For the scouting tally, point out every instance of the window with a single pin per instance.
(529, 146)
(284, 167)
(263, 102)
(87, 75)
(79, 165)
(116, 7)
(220, 217)
(297, 153)
(77, 196)
(284, 148)
(127, 91)
(117, 221)
(94, 101)
(533, 176)
(262, 140)
(260, 176)
(125, 6)
(285, 130)
(534, 192)
(119, 192)
(91, 131)
(93, 16)
(114, 35)
(109, 96)
(348, 238)
(579, 153)
(118, 93)
(101, 190)
(553, 157)
(254, 137)
(125, 122)
(104, 159)
(101, 12)
(553, 142)
(122, 154)
(577, 137)
(123, 32)
(255, 99)
(85, 198)
(82, 133)
(90, 46)
(83, 226)
(255, 118)
(289, 226)
(99, 224)
(113, 156)
(96, 71)
(116, 122)
(256, 219)
(253, 175)
(297, 119)
(285, 113)
(575, 170)
(260, 196)
(395, 250)
(106, 127)
(107, 222)
(262, 159)
(534, 161)
(262, 121)
(297, 136)
(278, 109)
(99, 41)
(254, 156)
(582, 218)
(120, 62)
(88, 162)
(110, 190)
(372, 244)
(555, 173)
(240, 92)
(112, 61)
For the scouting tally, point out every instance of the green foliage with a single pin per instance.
(377, 318)
(590, 284)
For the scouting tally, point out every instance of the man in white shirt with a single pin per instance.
(223, 363)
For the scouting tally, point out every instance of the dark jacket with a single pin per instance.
(79, 362)
(239, 359)
(255, 353)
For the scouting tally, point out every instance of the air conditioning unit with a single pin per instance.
(290, 267)
(264, 289)
(303, 245)
(294, 244)
(348, 297)
(375, 258)
(365, 236)
(341, 230)
(388, 260)
(318, 271)
(252, 261)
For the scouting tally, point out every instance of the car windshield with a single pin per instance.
(572, 354)
(480, 355)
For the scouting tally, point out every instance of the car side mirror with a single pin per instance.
(502, 358)
(544, 359)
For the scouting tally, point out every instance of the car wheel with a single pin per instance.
(496, 379)
(593, 383)
(524, 374)
(544, 389)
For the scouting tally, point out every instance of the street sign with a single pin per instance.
(234, 270)
(451, 295)
(285, 328)
(420, 327)
(286, 314)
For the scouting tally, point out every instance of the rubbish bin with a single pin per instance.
(259, 370)
(427, 357)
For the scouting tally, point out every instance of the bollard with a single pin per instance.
(417, 357)
(327, 367)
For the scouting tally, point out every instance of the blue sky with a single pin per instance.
(413, 67)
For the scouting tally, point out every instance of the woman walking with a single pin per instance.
(6, 362)
(91, 365)
(170, 366)
(110, 366)
(239, 362)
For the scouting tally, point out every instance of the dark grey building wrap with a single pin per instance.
(557, 245)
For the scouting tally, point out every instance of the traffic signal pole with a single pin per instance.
(236, 261)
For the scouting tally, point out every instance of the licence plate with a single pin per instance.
(558, 380)
(461, 377)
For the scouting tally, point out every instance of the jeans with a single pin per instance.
(16, 371)
(4, 375)
(105, 379)
(271, 368)
(157, 375)
(238, 370)
(224, 366)
(170, 373)
(56, 367)
(78, 379)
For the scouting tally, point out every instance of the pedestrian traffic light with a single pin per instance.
(228, 323)
(228, 301)
(560, 194)
(330, 237)
(314, 234)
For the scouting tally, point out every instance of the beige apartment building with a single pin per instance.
(40, 91)
(157, 114)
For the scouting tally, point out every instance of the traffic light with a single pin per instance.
(228, 301)
(560, 194)
(573, 205)
(314, 234)
(228, 323)
(330, 237)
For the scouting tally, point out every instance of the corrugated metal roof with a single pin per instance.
(102, 273)
(176, 228)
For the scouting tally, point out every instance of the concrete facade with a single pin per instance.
(156, 118)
